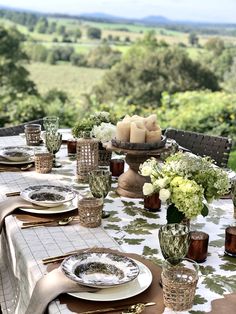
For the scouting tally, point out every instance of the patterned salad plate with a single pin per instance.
(17, 154)
(47, 195)
(100, 270)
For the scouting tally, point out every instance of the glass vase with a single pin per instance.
(173, 215)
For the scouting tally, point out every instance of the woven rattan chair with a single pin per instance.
(216, 147)
(16, 130)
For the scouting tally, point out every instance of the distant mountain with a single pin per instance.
(99, 15)
(155, 19)
(105, 17)
(152, 20)
(118, 19)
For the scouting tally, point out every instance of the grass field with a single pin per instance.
(232, 160)
(73, 80)
(123, 31)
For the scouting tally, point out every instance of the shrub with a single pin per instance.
(102, 57)
(200, 111)
(143, 74)
(94, 33)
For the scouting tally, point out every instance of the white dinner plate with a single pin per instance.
(53, 210)
(12, 163)
(8, 155)
(15, 154)
(47, 195)
(128, 290)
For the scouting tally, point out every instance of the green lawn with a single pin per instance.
(232, 160)
(71, 79)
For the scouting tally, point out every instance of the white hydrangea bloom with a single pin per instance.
(104, 132)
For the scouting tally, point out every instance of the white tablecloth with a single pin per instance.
(129, 228)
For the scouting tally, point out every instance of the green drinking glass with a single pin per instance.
(51, 124)
(100, 185)
(53, 143)
(174, 241)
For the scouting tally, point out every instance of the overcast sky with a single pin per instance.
(195, 10)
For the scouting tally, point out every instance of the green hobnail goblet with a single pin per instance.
(53, 143)
(51, 124)
(100, 185)
(174, 241)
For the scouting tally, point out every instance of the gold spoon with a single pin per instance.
(27, 167)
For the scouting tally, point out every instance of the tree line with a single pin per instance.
(144, 80)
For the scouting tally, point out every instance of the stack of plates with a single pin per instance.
(16, 155)
(55, 199)
(118, 277)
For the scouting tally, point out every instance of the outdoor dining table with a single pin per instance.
(129, 228)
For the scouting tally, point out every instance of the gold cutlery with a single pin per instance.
(10, 169)
(16, 169)
(59, 258)
(60, 222)
(9, 194)
(129, 308)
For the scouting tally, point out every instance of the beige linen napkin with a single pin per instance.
(55, 283)
(49, 287)
(10, 204)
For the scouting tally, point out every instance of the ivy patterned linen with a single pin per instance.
(129, 228)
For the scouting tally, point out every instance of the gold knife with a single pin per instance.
(9, 194)
(42, 222)
(118, 308)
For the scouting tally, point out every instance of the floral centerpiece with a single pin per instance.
(104, 132)
(185, 182)
(92, 121)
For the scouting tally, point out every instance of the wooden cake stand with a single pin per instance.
(130, 183)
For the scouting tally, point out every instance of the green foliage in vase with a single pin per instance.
(87, 123)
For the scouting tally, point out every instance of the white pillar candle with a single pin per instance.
(151, 122)
(123, 131)
(137, 135)
(153, 136)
